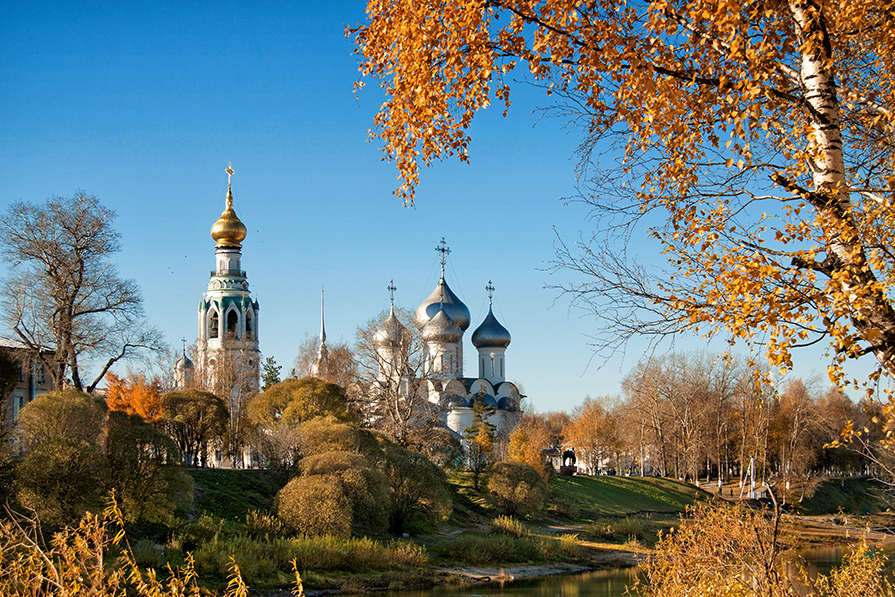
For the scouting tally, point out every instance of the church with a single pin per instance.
(442, 320)
(228, 358)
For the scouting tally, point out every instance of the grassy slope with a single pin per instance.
(852, 495)
(231, 494)
(623, 496)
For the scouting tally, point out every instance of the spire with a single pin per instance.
(230, 172)
(322, 329)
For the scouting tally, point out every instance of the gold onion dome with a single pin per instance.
(228, 231)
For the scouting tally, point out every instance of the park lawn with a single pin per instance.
(623, 496)
(230, 493)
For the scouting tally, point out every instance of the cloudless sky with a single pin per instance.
(144, 104)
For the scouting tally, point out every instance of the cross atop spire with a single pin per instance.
(391, 291)
(442, 248)
(490, 289)
(184, 345)
(230, 172)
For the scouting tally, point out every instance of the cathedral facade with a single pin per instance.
(442, 320)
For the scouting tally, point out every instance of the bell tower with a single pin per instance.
(227, 346)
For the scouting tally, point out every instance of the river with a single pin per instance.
(603, 583)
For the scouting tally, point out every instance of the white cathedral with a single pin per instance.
(228, 335)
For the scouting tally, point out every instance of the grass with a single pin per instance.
(595, 497)
(852, 495)
(232, 494)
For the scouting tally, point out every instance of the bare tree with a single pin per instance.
(62, 297)
(394, 386)
(339, 365)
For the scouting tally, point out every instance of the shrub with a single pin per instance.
(516, 488)
(508, 525)
(315, 505)
(261, 523)
(484, 550)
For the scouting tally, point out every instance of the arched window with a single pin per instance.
(249, 324)
(213, 332)
(232, 322)
(492, 366)
(501, 367)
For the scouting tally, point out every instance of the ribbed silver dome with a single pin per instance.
(442, 328)
(453, 306)
(491, 333)
(391, 333)
(183, 363)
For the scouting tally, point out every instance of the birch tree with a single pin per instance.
(754, 145)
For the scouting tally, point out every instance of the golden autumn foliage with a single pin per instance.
(752, 141)
(134, 396)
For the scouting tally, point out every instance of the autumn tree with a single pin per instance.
(752, 144)
(63, 297)
(340, 367)
(594, 433)
(479, 437)
(532, 435)
(134, 395)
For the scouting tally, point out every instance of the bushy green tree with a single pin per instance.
(419, 493)
(142, 466)
(479, 437)
(516, 488)
(193, 418)
(60, 476)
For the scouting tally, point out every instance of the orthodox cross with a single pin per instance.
(444, 252)
(230, 172)
(391, 290)
(490, 290)
(184, 345)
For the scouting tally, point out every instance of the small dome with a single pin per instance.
(228, 231)
(447, 300)
(491, 333)
(183, 363)
(391, 333)
(443, 329)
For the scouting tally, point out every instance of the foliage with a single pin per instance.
(10, 370)
(62, 297)
(141, 467)
(594, 432)
(534, 433)
(479, 437)
(315, 505)
(365, 488)
(327, 434)
(193, 418)
(754, 148)
(135, 396)
(735, 551)
(419, 494)
(296, 400)
(74, 564)
(270, 373)
(60, 476)
(340, 367)
(516, 489)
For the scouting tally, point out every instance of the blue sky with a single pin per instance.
(144, 105)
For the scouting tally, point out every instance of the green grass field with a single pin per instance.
(622, 496)
(231, 494)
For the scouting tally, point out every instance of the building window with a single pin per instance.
(39, 374)
(501, 367)
(213, 333)
(232, 322)
(249, 324)
(18, 403)
(492, 366)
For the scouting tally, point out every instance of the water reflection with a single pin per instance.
(601, 583)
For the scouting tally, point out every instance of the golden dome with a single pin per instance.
(228, 231)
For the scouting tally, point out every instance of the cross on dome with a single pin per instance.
(391, 291)
(444, 253)
(490, 289)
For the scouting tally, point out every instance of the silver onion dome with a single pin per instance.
(491, 333)
(441, 328)
(183, 363)
(391, 333)
(443, 297)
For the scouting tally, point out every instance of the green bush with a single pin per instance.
(516, 489)
(618, 530)
(315, 505)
